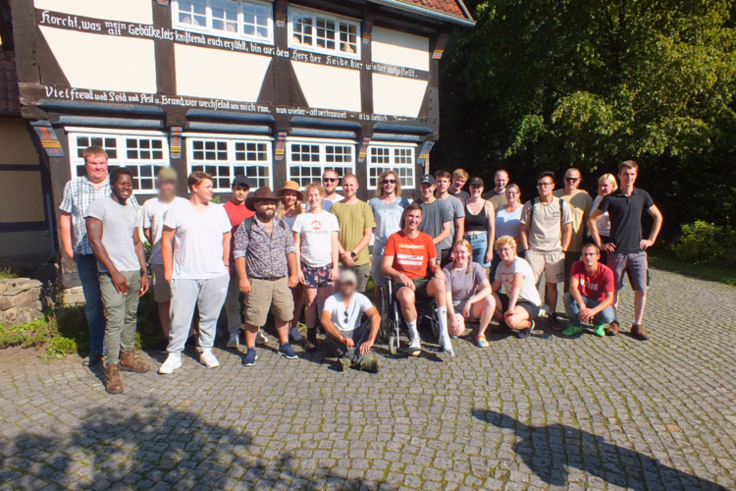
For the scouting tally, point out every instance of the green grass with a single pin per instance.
(8, 274)
(666, 260)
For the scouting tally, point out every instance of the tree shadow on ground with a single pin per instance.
(549, 451)
(164, 448)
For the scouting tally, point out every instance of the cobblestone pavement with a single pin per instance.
(543, 413)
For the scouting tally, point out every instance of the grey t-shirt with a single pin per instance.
(462, 283)
(435, 214)
(458, 211)
(119, 222)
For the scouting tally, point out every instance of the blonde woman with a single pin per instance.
(468, 293)
(288, 210)
(315, 237)
(480, 223)
(518, 304)
(508, 222)
(387, 206)
(606, 185)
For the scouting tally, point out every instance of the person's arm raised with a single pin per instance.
(656, 227)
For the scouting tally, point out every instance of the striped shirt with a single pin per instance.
(78, 194)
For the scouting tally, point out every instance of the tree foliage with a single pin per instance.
(588, 83)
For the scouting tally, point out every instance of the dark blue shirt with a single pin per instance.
(625, 213)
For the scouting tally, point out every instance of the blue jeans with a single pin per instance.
(88, 275)
(479, 244)
(604, 317)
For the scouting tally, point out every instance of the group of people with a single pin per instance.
(476, 254)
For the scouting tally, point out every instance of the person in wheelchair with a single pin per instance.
(410, 259)
(468, 293)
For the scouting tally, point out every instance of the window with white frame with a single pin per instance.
(325, 33)
(225, 158)
(229, 18)
(308, 159)
(143, 153)
(398, 158)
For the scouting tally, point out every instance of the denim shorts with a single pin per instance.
(317, 277)
(479, 244)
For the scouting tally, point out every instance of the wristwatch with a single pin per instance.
(353, 254)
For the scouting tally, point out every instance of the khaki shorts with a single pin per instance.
(268, 295)
(161, 287)
(551, 264)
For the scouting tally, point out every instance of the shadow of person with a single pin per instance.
(549, 451)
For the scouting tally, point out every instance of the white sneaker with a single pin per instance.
(261, 337)
(173, 361)
(415, 346)
(208, 359)
(296, 336)
(233, 342)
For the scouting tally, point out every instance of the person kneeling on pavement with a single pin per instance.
(350, 337)
(590, 298)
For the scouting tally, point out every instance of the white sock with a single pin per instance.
(413, 330)
(444, 335)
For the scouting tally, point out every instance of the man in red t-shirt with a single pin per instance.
(237, 212)
(590, 298)
(410, 260)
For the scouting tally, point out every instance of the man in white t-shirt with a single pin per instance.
(153, 212)
(330, 182)
(349, 336)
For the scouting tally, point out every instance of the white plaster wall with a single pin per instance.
(204, 72)
(327, 87)
(91, 61)
(400, 49)
(138, 11)
(397, 96)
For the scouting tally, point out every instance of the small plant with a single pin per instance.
(59, 347)
(217, 200)
(706, 243)
(8, 274)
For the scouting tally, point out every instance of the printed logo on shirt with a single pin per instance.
(316, 225)
(410, 259)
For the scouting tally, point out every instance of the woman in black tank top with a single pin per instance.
(480, 224)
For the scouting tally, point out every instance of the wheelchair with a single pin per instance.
(392, 322)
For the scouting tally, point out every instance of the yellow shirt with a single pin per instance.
(580, 203)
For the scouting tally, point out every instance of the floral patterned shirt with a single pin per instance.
(265, 255)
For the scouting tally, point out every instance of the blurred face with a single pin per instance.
(349, 186)
(512, 195)
(123, 188)
(545, 186)
(458, 183)
(347, 289)
(314, 198)
(330, 182)
(604, 187)
(627, 177)
(461, 255)
(507, 253)
(591, 257)
(427, 191)
(203, 191)
(413, 219)
(572, 180)
(96, 168)
(389, 184)
(476, 190)
(266, 209)
(167, 189)
(289, 198)
(501, 179)
(443, 184)
(240, 192)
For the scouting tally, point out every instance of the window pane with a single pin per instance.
(348, 38)
(225, 15)
(193, 12)
(302, 29)
(325, 33)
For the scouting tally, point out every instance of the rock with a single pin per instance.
(6, 302)
(10, 316)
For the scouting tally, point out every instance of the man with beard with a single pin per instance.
(112, 228)
(266, 261)
(356, 222)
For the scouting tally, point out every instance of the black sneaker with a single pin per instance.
(311, 343)
(250, 358)
(287, 351)
(526, 333)
(554, 322)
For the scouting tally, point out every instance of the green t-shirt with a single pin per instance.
(353, 220)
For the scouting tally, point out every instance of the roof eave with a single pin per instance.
(435, 14)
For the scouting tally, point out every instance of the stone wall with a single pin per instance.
(21, 301)
(74, 296)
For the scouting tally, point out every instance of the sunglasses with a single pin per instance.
(389, 181)
(330, 179)
(572, 179)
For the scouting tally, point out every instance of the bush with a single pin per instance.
(706, 243)
(59, 347)
(31, 335)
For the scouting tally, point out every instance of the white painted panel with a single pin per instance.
(91, 61)
(204, 72)
(397, 96)
(123, 10)
(328, 87)
(400, 49)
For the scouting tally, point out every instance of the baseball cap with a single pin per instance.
(347, 277)
(166, 174)
(476, 181)
(242, 180)
(427, 179)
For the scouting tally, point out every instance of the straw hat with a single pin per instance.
(291, 186)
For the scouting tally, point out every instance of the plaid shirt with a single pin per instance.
(265, 255)
(78, 194)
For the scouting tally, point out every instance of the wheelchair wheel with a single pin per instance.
(383, 310)
(393, 345)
